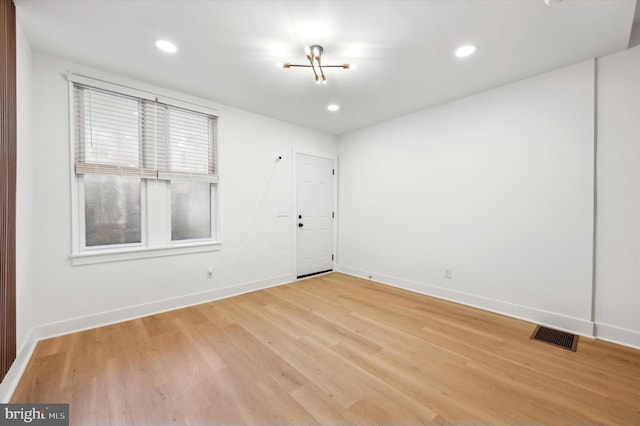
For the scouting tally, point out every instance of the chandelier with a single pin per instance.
(314, 55)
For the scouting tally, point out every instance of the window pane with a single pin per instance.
(112, 206)
(190, 210)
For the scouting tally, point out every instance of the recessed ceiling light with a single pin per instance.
(333, 107)
(465, 51)
(551, 2)
(166, 46)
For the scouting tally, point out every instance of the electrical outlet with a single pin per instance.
(210, 272)
(447, 273)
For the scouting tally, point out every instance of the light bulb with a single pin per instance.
(166, 46)
(465, 51)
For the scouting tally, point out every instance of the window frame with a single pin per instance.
(155, 234)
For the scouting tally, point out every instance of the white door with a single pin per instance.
(315, 215)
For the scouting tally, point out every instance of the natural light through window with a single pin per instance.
(133, 152)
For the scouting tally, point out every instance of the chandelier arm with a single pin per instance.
(313, 67)
(318, 60)
(309, 66)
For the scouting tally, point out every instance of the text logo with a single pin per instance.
(34, 414)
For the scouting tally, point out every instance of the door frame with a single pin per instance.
(294, 213)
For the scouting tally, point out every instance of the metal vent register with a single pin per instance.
(556, 338)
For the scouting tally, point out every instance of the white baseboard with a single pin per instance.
(72, 325)
(10, 381)
(619, 335)
(45, 331)
(550, 319)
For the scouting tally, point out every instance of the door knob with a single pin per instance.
(300, 225)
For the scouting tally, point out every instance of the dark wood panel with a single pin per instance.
(7, 185)
(331, 349)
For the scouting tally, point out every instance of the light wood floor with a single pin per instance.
(333, 350)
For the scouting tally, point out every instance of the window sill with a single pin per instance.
(88, 258)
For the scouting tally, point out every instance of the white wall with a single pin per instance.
(24, 190)
(25, 186)
(634, 39)
(497, 186)
(617, 292)
(257, 249)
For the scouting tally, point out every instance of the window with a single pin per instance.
(131, 152)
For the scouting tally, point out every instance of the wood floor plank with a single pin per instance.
(325, 371)
(323, 407)
(265, 359)
(332, 349)
(320, 329)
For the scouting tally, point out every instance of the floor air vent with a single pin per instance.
(556, 338)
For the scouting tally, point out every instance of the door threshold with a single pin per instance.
(314, 273)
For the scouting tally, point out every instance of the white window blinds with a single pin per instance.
(118, 134)
(190, 154)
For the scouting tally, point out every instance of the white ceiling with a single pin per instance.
(403, 49)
